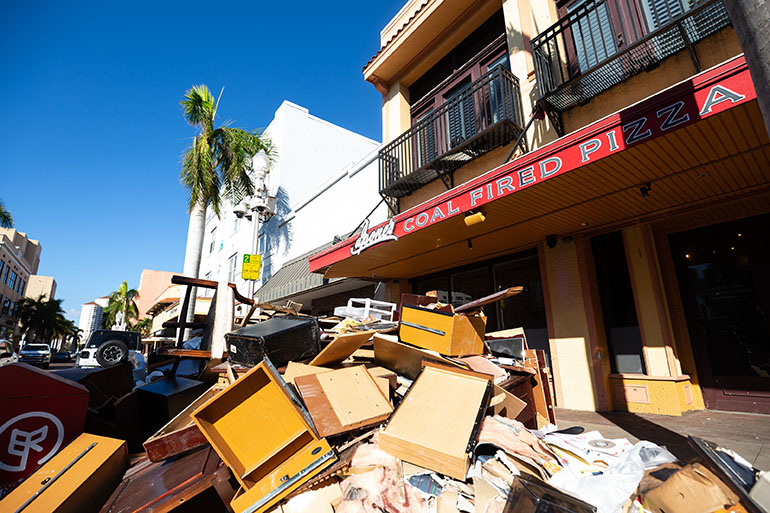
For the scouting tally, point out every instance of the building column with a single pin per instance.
(575, 353)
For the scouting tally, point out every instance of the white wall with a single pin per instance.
(329, 176)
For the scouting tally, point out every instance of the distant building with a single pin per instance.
(90, 319)
(151, 285)
(41, 286)
(19, 259)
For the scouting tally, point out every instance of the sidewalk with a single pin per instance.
(747, 434)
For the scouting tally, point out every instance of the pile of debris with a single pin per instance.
(422, 413)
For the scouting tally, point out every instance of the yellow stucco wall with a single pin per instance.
(569, 342)
(664, 397)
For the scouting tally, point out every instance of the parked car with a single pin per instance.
(62, 356)
(106, 348)
(36, 354)
(7, 353)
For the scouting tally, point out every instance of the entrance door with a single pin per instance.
(724, 278)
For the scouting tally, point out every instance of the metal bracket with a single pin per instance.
(479, 418)
(447, 178)
(392, 203)
(554, 117)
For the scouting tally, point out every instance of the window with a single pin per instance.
(6, 306)
(2, 264)
(261, 245)
(232, 264)
(236, 224)
(213, 239)
(12, 281)
(22, 287)
(5, 276)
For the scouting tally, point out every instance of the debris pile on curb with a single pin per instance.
(415, 410)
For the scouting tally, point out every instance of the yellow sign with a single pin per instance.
(251, 266)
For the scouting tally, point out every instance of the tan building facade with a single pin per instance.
(41, 286)
(608, 156)
(19, 259)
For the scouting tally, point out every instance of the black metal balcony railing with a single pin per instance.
(479, 118)
(601, 43)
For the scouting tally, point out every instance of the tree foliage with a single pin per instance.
(121, 307)
(6, 219)
(43, 319)
(219, 160)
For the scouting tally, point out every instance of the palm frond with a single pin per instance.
(6, 219)
(199, 106)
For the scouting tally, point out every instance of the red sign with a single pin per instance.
(704, 95)
(39, 414)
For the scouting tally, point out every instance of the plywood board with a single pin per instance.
(343, 400)
(435, 422)
(295, 369)
(341, 347)
(505, 404)
(402, 358)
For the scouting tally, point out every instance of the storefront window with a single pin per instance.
(526, 310)
(624, 337)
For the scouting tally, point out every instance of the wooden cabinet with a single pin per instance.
(444, 332)
(260, 429)
(77, 480)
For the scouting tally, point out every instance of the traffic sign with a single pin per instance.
(251, 266)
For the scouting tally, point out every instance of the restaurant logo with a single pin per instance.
(368, 238)
(30, 432)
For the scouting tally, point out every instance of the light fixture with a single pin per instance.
(551, 241)
(645, 189)
(472, 218)
(470, 244)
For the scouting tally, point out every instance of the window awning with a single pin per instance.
(692, 144)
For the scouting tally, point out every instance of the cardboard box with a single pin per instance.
(260, 429)
(446, 333)
(436, 424)
(77, 480)
(693, 489)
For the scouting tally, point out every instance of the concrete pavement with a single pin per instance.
(747, 434)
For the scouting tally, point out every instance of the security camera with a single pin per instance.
(551, 241)
(239, 211)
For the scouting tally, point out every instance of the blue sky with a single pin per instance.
(92, 132)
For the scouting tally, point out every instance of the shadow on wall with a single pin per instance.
(277, 233)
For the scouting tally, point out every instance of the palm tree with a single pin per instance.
(121, 308)
(6, 219)
(143, 326)
(218, 162)
(41, 318)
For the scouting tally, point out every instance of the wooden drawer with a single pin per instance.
(446, 333)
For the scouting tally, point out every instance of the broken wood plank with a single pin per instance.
(340, 348)
(475, 306)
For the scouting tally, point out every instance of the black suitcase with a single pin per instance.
(282, 339)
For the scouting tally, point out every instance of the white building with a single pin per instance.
(324, 178)
(91, 316)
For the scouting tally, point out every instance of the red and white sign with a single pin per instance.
(39, 414)
(704, 95)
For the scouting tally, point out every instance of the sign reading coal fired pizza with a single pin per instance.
(705, 95)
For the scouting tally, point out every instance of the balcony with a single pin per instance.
(483, 116)
(601, 43)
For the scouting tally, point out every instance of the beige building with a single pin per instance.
(151, 285)
(19, 259)
(41, 286)
(607, 155)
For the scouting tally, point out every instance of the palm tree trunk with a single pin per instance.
(192, 254)
(751, 20)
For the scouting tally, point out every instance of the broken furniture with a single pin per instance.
(447, 333)
(404, 359)
(163, 399)
(343, 400)
(341, 347)
(282, 339)
(180, 434)
(437, 422)
(39, 413)
(533, 496)
(262, 432)
(77, 480)
(364, 308)
(199, 481)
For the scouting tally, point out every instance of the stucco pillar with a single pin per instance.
(574, 354)
(396, 118)
(651, 309)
